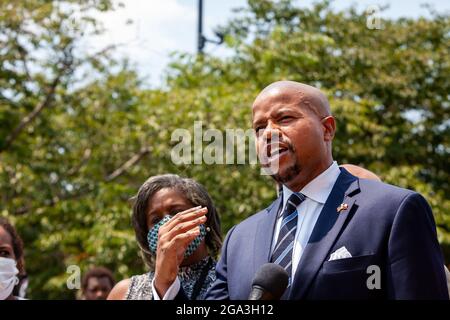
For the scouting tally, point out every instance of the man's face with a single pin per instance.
(301, 144)
(98, 288)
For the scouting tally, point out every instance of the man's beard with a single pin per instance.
(289, 174)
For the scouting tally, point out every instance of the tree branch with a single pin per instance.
(32, 115)
(67, 63)
(24, 55)
(86, 156)
(128, 164)
(53, 201)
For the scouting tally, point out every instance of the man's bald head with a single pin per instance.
(294, 130)
(308, 96)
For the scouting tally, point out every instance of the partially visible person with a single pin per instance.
(162, 206)
(20, 290)
(97, 283)
(11, 260)
(447, 275)
(360, 172)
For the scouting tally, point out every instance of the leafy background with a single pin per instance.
(80, 131)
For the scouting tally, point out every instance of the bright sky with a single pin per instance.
(161, 27)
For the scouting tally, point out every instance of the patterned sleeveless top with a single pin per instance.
(141, 286)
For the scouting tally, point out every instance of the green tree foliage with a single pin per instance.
(79, 133)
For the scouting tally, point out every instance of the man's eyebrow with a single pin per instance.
(284, 110)
(257, 122)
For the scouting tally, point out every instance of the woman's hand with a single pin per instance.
(173, 239)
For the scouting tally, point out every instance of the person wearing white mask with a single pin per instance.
(11, 260)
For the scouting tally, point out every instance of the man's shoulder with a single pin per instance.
(382, 198)
(371, 188)
(382, 188)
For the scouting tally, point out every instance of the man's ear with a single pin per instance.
(329, 127)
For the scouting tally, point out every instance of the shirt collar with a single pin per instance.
(319, 188)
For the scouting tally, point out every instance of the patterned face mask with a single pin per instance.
(152, 238)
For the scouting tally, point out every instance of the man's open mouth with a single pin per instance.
(275, 150)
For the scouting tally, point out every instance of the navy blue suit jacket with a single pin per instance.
(386, 226)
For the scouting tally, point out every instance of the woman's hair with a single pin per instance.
(192, 191)
(17, 243)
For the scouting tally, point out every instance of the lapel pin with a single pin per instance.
(343, 206)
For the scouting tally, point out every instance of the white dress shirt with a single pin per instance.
(316, 192)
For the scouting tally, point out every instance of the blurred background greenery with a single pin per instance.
(80, 132)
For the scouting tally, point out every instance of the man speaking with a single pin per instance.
(337, 236)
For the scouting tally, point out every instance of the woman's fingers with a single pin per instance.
(173, 238)
(183, 240)
(176, 234)
(180, 241)
(181, 217)
(170, 255)
(181, 228)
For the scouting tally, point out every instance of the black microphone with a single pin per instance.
(269, 283)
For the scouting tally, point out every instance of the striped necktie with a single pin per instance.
(282, 253)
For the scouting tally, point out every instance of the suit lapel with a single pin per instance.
(324, 234)
(264, 235)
